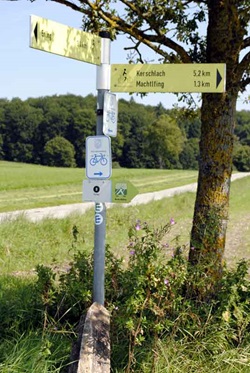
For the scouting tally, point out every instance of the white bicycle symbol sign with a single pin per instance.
(98, 158)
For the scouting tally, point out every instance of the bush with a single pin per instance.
(147, 301)
(147, 298)
(241, 158)
(59, 152)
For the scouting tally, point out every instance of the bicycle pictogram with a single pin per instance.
(98, 158)
(111, 116)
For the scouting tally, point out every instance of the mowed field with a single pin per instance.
(24, 186)
(24, 244)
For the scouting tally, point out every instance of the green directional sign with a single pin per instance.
(53, 37)
(168, 78)
(123, 191)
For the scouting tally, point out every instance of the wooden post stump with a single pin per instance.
(95, 344)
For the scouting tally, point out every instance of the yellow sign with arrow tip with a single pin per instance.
(53, 37)
(206, 78)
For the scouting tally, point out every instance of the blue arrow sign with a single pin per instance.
(98, 173)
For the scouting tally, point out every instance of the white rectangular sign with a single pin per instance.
(97, 190)
(110, 113)
(98, 157)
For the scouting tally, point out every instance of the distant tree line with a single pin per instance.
(52, 130)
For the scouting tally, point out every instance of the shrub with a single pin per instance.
(147, 299)
(145, 295)
(59, 152)
(241, 158)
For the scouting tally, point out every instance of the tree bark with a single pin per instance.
(218, 113)
(212, 199)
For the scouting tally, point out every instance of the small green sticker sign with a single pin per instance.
(123, 192)
(121, 189)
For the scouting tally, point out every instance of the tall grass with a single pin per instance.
(185, 356)
(51, 241)
(33, 353)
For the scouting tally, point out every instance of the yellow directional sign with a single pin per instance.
(168, 78)
(53, 37)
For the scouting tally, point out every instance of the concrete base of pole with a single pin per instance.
(95, 344)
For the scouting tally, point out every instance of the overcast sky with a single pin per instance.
(27, 72)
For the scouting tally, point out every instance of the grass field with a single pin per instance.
(25, 244)
(24, 186)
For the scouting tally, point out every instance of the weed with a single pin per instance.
(147, 300)
(155, 325)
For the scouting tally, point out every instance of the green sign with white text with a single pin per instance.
(53, 37)
(123, 191)
(203, 77)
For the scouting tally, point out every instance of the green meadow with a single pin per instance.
(26, 346)
(24, 186)
(25, 244)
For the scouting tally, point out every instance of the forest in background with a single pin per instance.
(52, 130)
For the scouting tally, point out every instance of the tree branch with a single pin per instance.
(243, 71)
(244, 83)
(244, 63)
(246, 43)
(153, 41)
(69, 4)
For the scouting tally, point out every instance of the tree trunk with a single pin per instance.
(212, 200)
(218, 112)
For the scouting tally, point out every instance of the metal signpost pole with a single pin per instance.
(103, 85)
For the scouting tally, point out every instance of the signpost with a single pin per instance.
(103, 85)
(168, 78)
(53, 37)
(50, 36)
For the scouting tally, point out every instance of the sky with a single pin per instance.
(27, 72)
